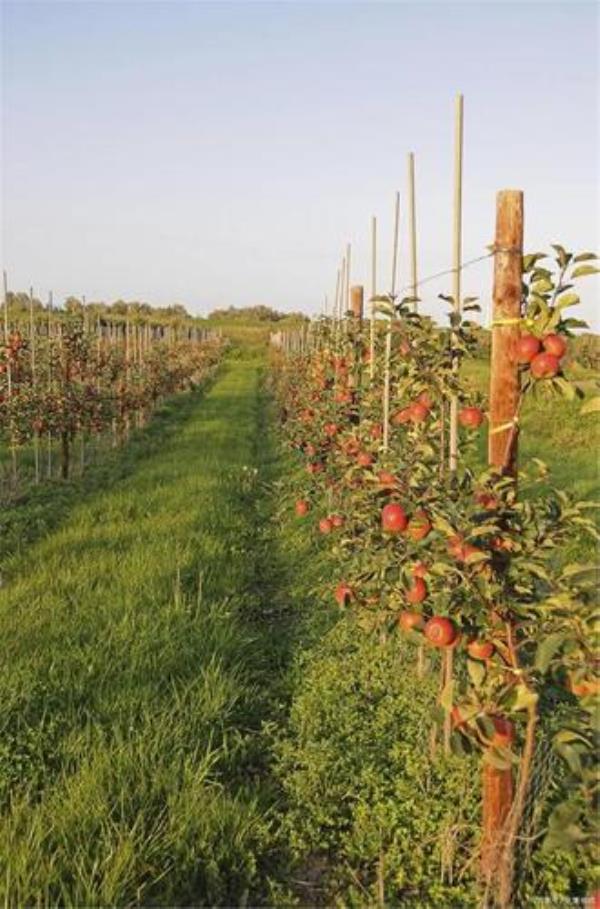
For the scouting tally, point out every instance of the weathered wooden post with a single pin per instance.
(32, 352)
(357, 296)
(505, 387)
(498, 785)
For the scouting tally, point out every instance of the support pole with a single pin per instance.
(373, 295)
(357, 296)
(505, 390)
(498, 785)
(388, 336)
(457, 264)
(412, 221)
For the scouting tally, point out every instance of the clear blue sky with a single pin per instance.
(224, 153)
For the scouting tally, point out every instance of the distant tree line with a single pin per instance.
(19, 303)
(255, 314)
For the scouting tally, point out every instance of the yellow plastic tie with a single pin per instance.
(506, 322)
(504, 426)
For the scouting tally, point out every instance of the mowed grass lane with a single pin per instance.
(136, 676)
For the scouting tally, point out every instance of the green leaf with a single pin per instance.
(585, 257)
(567, 300)
(547, 649)
(530, 259)
(571, 756)
(566, 388)
(524, 698)
(477, 672)
(563, 256)
(537, 570)
(591, 406)
(583, 270)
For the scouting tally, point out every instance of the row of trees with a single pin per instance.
(462, 564)
(71, 378)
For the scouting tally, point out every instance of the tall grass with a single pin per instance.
(134, 690)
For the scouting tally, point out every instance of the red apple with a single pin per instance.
(410, 620)
(401, 416)
(325, 525)
(441, 631)
(455, 546)
(302, 508)
(393, 518)
(419, 526)
(343, 594)
(527, 347)
(417, 592)
(418, 412)
(419, 570)
(480, 650)
(386, 479)
(486, 500)
(555, 345)
(470, 417)
(364, 459)
(337, 520)
(544, 366)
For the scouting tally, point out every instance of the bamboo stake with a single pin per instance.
(32, 346)
(457, 262)
(336, 304)
(49, 435)
(448, 659)
(342, 297)
(9, 383)
(5, 292)
(373, 295)
(82, 432)
(388, 337)
(412, 215)
(348, 260)
(6, 334)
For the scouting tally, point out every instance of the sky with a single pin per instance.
(224, 153)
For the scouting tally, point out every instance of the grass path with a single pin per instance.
(143, 652)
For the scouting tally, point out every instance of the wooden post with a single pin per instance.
(412, 220)
(9, 385)
(357, 295)
(49, 434)
(388, 336)
(457, 262)
(498, 785)
(5, 292)
(348, 259)
(373, 294)
(32, 351)
(505, 391)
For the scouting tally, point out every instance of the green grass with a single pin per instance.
(132, 765)
(172, 684)
(553, 430)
